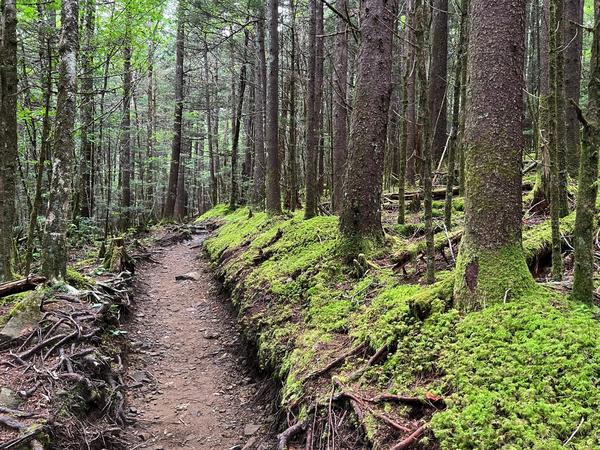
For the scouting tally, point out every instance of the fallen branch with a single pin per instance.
(18, 286)
(12, 423)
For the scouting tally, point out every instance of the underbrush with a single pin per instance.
(522, 373)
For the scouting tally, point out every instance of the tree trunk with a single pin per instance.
(456, 110)
(54, 261)
(233, 199)
(177, 120)
(437, 78)
(361, 212)
(258, 190)
(8, 135)
(340, 108)
(292, 141)
(490, 263)
(587, 192)
(126, 136)
(312, 116)
(87, 111)
(273, 190)
(573, 42)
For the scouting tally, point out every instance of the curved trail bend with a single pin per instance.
(192, 385)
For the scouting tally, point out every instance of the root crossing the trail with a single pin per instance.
(192, 382)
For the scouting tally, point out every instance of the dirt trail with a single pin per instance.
(191, 385)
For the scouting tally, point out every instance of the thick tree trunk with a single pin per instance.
(177, 121)
(411, 96)
(437, 78)
(587, 192)
(54, 261)
(490, 264)
(273, 189)
(340, 108)
(8, 134)
(258, 190)
(361, 212)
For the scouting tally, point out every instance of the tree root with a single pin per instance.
(336, 362)
(412, 438)
(284, 437)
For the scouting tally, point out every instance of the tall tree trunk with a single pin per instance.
(411, 96)
(491, 264)
(258, 190)
(125, 160)
(437, 77)
(233, 199)
(8, 134)
(556, 102)
(312, 117)
(87, 111)
(292, 157)
(573, 42)
(273, 189)
(150, 127)
(340, 108)
(361, 212)
(457, 108)
(54, 261)
(177, 120)
(45, 53)
(587, 192)
(209, 130)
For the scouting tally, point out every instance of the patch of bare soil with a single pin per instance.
(192, 382)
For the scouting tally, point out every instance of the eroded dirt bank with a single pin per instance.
(192, 384)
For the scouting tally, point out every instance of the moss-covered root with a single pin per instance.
(486, 276)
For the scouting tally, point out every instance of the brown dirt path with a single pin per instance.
(191, 386)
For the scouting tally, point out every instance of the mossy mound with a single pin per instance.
(521, 373)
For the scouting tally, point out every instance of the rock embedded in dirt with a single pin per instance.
(9, 398)
(190, 276)
(251, 429)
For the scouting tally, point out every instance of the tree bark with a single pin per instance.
(125, 160)
(361, 212)
(587, 192)
(273, 189)
(177, 120)
(573, 42)
(54, 260)
(312, 116)
(491, 264)
(437, 78)
(8, 135)
(258, 190)
(87, 111)
(340, 108)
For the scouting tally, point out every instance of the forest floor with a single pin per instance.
(195, 384)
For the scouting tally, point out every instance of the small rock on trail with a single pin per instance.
(191, 385)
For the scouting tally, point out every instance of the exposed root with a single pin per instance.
(336, 362)
(284, 437)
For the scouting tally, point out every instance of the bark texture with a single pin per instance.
(587, 192)
(8, 134)
(272, 187)
(177, 121)
(340, 109)
(361, 212)
(491, 264)
(54, 258)
(438, 76)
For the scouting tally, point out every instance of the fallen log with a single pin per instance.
(18, 286)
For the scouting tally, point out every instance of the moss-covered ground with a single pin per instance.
(523, 373)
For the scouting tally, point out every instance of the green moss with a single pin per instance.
(486, 276)
(218, 211)
(78, 280)
(539, 237)
(524, 374)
